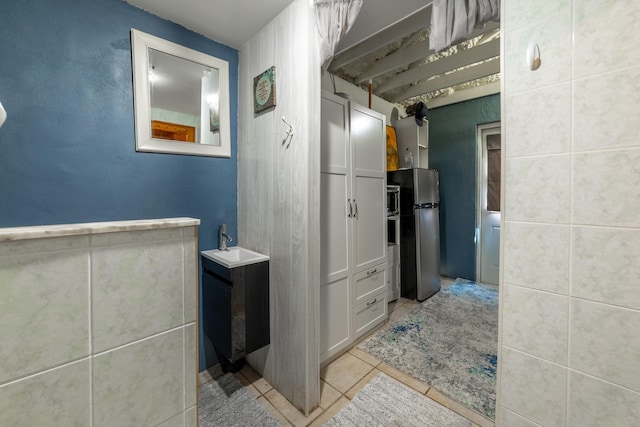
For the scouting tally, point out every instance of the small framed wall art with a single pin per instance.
(264, 90)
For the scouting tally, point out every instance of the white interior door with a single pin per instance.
(489, 194)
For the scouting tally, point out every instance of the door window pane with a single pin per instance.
(493, 172)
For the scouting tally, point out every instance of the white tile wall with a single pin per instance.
(537, 256)
(543, 122)
(191, 418)
(140, 300)
(595, 403)
(190, 246)
(99, 326)
(511, 419)
(533, 388)
(605, 342)
(605, 188)
(190, 386)
(535, 322)
(553, 36)
(538, 188)
(606, 36)
(57, 397)
(521, 13)
(612, 121)
(575, 264)
(605, 265)
(141, 383)
(44, 307)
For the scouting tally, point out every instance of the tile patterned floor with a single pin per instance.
(341, 379)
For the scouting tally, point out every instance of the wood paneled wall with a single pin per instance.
(279, 196)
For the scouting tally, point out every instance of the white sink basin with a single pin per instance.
(234, 257)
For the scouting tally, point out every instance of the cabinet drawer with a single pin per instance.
(370, 282)
(370, 313)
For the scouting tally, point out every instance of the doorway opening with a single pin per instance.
(487, 237)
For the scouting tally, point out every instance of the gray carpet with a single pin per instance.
(448, 342)
(385, 402)
(225, 402)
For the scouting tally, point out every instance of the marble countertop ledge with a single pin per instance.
(59, 230)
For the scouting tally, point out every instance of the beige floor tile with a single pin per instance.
(365, 357)
(242, 379)
(328, 395)
(360, 384)
(209, 375)
(262, 385)
(330, 413)
(403, 378)
(247, 385)
(249, 373)
(273, 411)
(344, 372)
(446, 280)
(255, 379)
(292, 413)
(394, 305)
(459, 408)
(400, 312)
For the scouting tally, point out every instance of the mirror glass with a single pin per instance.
(181, 99)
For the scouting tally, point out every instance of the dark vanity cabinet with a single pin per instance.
(236, 307)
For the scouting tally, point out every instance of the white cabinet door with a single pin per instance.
(334, 134)
(368, 160)
(352, 223)
(370, 246)
(335, 318)
(335, 227)
(335, 190)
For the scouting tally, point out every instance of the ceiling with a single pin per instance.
(388, 44)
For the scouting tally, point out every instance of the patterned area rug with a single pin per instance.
(386, 402)
(448, 342)
(225, 402)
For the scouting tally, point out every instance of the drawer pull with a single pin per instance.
(370, 272)
(370, 303)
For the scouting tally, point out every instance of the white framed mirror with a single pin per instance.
(181, 99)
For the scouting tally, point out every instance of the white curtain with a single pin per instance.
(333, 19)
(452, 21)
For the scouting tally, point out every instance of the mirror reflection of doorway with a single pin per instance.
(489, 195)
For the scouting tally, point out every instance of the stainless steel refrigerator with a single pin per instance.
(419, 231)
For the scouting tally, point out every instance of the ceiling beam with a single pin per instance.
(475, 54)
(464, 95)
(396, 60)
(468, 74)
(414, 22)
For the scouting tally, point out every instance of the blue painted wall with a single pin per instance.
(67, 149)
(453, 152)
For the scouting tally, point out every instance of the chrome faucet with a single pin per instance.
(223, 237)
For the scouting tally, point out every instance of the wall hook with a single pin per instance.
(287, 139)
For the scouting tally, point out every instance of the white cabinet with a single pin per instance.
(414, 139)
(352, 223)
